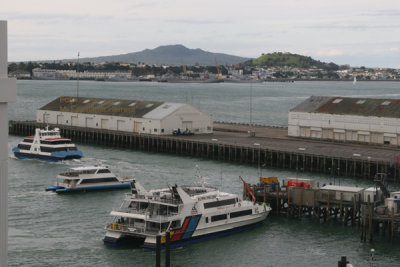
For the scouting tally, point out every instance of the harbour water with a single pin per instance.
(46, 229)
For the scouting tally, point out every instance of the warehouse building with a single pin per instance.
(346, 119)
(148, 117)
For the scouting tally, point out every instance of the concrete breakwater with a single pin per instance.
(270, 147)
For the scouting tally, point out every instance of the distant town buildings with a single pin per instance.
(141, 71)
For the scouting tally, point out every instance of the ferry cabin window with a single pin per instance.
(56, 142)
(206, 219)
(26, 140)
(99, 180)
(219, 203)
(218, 217)
(53, 149)
(24, 147)
(103, 171)
(175, 224)
(240, 213)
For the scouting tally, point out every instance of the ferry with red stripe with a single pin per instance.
(189, 213)
(48, 145)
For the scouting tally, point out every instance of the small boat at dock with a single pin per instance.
(189, 213)
(48, 145)
(89, 178)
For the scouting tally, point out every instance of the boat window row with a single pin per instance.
(104, 171)
(240, 213)
(27, 140)
(219, 217)
(49, 134)
(219, 203)
(56, 149)
(99, 180)
(55, 142)
(236, 214)
(24, 147)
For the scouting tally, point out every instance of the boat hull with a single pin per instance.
(113, 238)
(60, 189)
(56, 156)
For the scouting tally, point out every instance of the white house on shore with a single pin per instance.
(149, 117)
(364, 120)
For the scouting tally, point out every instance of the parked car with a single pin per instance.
(179, 132)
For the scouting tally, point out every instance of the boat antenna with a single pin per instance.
(77, 77)
(199, 178)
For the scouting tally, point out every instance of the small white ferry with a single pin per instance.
(190, 213)
(47, 145)
(89, 178)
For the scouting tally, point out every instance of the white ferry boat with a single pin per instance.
(190, 213)
(89, 178)
(47, 145)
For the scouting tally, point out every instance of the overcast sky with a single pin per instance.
(355, 32)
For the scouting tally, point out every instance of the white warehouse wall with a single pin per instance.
(200, 122)
(352, 125)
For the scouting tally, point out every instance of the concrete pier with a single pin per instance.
(271, 147)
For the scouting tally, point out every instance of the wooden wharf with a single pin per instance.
(271, 147)
(325, 205)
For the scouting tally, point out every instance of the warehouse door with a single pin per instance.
(104, 124)
(363, 138)
(89, 123)
(120, 125)
(137, 127)
(46, 118)
(187, 125)
(60, 119)
(74, 121)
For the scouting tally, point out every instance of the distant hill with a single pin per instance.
(279, 59)
(170, 55)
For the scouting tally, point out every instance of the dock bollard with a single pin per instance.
(158, 251)
(343, 262)
(167, 250)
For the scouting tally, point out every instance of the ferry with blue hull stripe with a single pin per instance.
(189, 213)
(89, 178)
(47, 145)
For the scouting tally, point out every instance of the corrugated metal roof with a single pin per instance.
(389, 108)
(163, 110)
(102, 106)
(311, 104)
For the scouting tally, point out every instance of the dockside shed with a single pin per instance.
(150, 117)
(346, 119)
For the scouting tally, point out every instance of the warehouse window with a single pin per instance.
(132, 104)
(385, 103)
(100, 102)
(362, 101)
(155, 130)
(162, 130)
(116, 103)
(149, 105)
(337, 100)
(86, 101)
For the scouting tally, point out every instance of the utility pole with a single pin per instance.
(77, 78)
(8, 93)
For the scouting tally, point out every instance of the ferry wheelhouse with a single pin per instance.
(190, 213)
(88, 178)
(47, 145)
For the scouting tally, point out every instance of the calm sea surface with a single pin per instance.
(46, 229)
